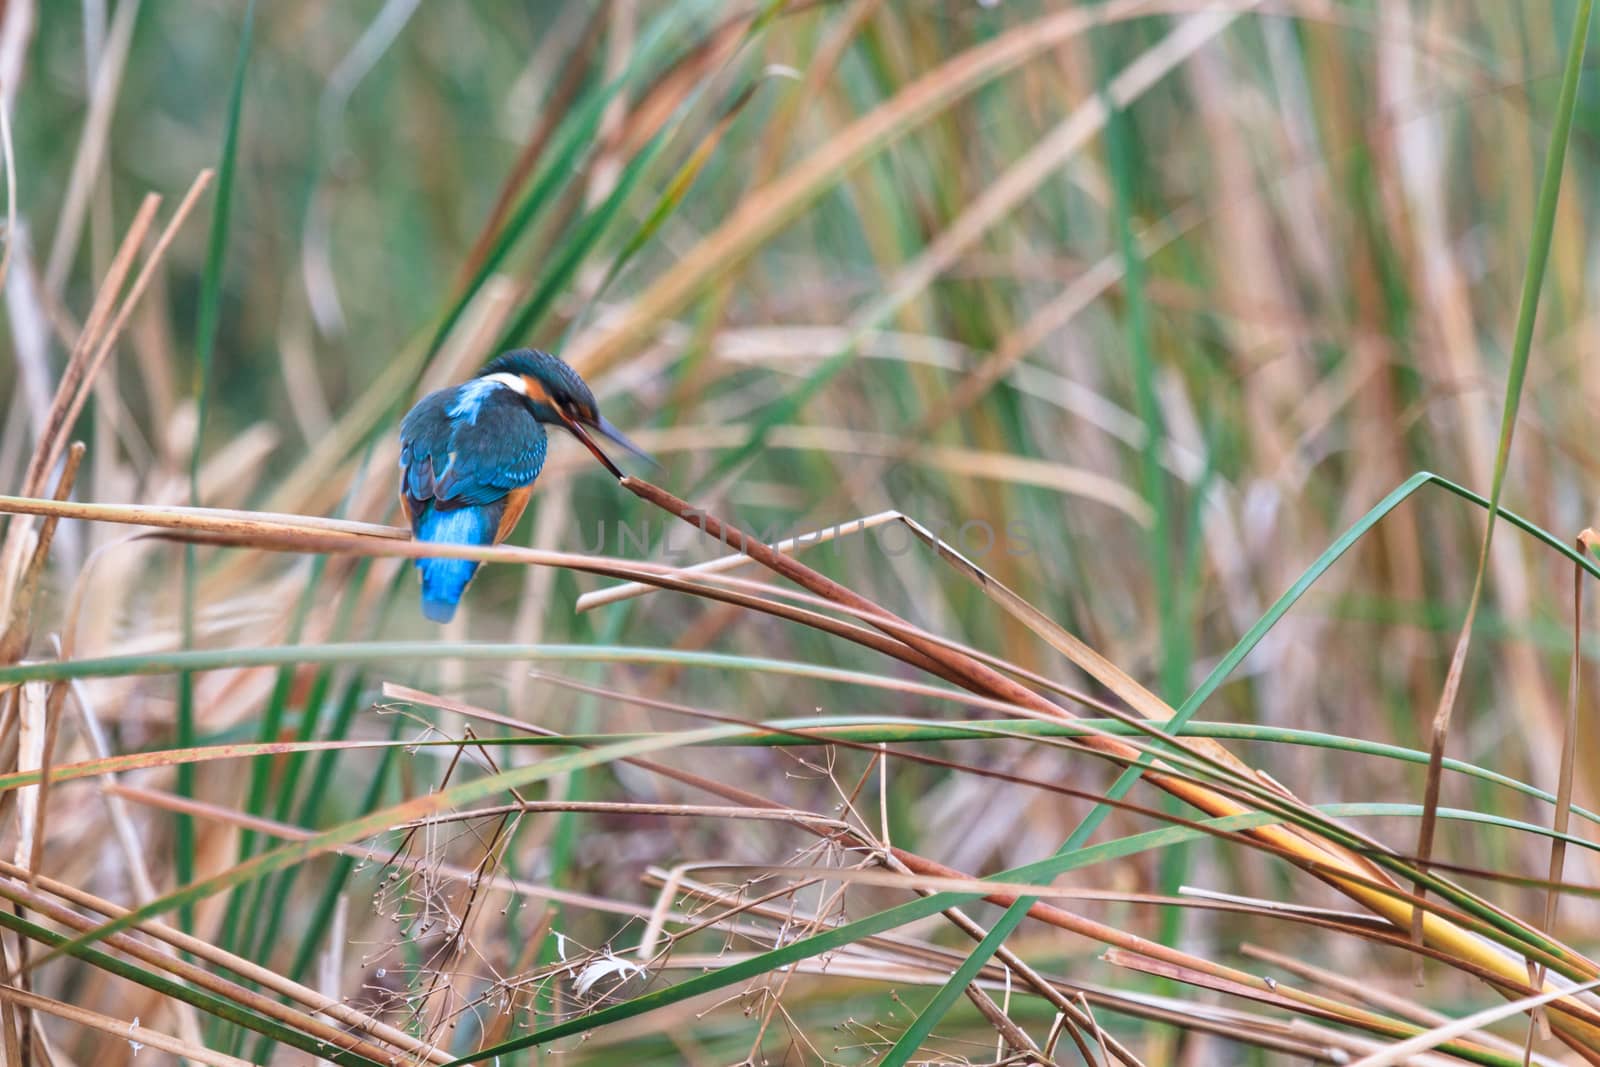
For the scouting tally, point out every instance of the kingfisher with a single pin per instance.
(469, 456)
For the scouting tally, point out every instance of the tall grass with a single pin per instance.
(1158, 317)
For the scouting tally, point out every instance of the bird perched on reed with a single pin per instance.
(469, 456)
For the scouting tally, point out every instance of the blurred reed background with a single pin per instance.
(1141, 306)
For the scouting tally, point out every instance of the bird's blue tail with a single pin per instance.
(444, 580)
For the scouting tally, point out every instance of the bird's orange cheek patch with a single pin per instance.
(537, 394)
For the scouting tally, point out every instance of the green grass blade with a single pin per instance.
(821, 730)
(412, 652)
(322, 780)
(1538, 255)
(1236, 655)
(807, 731)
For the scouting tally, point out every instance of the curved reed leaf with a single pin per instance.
(1016, 912)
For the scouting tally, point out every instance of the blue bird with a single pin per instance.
(469, 456)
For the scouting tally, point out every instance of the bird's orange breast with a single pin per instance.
(516, 504)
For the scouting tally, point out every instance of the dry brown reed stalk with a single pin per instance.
(1402, 1052)
(71, 390)
(116, 1029)
(286, 534)
(58, 690)
(35, 714)
(1148, 965)
(134, 850)
(14, 638)
(52, 434)
(1399, 1006)
(824, 736)
(1403, 1007)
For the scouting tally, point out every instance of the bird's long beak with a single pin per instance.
(580, 429)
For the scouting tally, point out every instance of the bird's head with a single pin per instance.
(556, 396)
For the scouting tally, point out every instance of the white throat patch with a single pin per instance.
(511, 381)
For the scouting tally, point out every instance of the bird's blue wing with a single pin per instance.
(424, 441)
(454, 455)
(500, 450)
